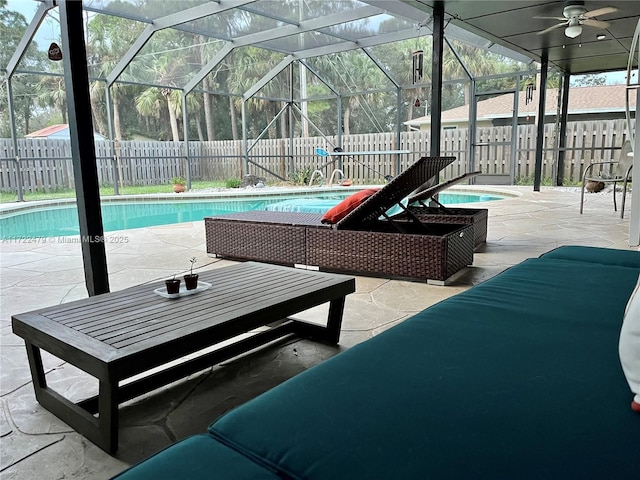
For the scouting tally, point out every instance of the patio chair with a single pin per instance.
(366, 241)
(621, 173)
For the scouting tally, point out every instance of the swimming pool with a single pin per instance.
(44, 221)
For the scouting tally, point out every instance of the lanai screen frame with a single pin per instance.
(177, 20)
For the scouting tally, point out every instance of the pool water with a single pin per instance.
(320, 205)
(62, 220)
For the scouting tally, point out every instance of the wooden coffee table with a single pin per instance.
(118, 335)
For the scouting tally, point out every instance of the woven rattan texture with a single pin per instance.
(264, 242)
(415, 256)
(393, 192)
(477, 217)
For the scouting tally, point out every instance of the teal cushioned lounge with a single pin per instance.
(197, 458)
(604, 256)
(508, 380)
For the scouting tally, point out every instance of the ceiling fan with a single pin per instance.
(575, 16)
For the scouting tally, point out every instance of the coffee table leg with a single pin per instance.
(103, 431)
(37, 369)
(330, 333)
(334, 321)
(108, 415)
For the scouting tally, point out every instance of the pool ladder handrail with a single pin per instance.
(333, 174)
(313, 176)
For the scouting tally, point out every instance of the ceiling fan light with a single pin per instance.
(573, 31)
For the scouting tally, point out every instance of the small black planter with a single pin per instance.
(173, 285)
(191, 281)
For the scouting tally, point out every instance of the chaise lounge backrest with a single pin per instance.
(393, 192)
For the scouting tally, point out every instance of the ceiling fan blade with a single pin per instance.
(595, 23)
(551, 28)
(553, 18)
(599, 11)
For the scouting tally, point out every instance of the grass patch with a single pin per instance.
(6, 197)
(546, 181)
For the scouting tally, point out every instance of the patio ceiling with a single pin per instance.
(512, 24)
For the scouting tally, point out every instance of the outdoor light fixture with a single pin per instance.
(572, 31)
(601, 36)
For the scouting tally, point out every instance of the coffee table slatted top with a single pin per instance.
(116, 325)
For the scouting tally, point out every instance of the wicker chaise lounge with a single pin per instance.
(360, 243)
(420, 205)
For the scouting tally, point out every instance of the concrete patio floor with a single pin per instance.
(36, 444)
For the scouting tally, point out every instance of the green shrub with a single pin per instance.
(232, 182)
(301, 177)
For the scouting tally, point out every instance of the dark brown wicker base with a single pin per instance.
(435, 253)
(272, 237)
(476, 216)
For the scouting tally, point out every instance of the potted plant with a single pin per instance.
(191, 279)
(178, 184)
(173, 285)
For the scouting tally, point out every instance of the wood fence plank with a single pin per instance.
(141, 162)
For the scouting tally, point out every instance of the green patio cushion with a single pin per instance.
(518, 377)
(604, 256)
(197, 458)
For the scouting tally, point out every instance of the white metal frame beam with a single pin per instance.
(29, 33)
(170, 21)
(272, 34)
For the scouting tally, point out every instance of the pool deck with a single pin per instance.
(36, 444)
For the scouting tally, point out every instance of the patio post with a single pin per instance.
(562, 143)
(436, 78)
(83, 151)
(542, 99)
(14, 141)
(634, 220)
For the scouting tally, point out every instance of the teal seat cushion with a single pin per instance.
(197, 458)
(604, 256)
(517, 378)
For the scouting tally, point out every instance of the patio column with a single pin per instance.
(542, 100)
(83, 150)
(562, 140)
(436, 78)
(634, 220)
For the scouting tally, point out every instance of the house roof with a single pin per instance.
(597, 99)
(58, 131)
(47, 131)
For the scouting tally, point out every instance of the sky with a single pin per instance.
(48, 32)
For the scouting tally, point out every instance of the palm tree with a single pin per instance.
(354, 72)
(109, 38)
(51, 93)
(149, 102)
(478, 62)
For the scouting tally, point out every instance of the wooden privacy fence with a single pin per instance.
(43, 164)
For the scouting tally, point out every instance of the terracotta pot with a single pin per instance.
(191, 281)
(173, 286)
(178, 188)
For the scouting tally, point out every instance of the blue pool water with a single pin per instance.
(62, 220)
